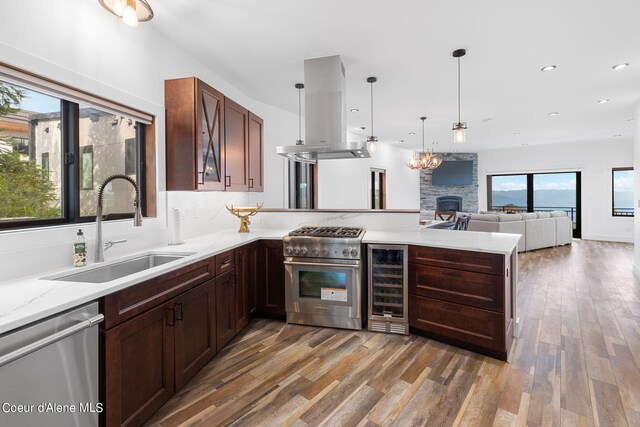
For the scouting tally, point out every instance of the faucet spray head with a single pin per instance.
(137, 215)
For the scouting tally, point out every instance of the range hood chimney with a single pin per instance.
(325, 115)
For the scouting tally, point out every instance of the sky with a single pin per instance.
(39, 103)
(623, 181)
(548, 181)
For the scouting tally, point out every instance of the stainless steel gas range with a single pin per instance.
(323, 276)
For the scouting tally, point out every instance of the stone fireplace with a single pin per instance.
(431, 195)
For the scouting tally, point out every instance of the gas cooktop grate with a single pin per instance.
(345, 232)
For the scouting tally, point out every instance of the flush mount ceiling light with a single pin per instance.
(548, 68)
(620, 66)
(554, 113)
(460, 127)
(372, 141)
(130, 11)
(603, 101)
(299, 86)
(424, 159)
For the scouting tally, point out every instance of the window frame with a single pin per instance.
(70, 158)
(613, 193)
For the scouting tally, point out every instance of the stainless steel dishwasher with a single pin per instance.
(49, 371)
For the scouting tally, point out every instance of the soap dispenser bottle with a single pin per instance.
(79, 250)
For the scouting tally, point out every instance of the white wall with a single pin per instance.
(345, 184)
(594, 160)
(636, 175)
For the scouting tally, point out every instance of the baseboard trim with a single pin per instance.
(619, 239)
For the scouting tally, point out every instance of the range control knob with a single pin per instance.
(303, 250)
(296, 250)
(345, 252)
(325, 252)
(354, 252)
(315, 251)
(289, 250)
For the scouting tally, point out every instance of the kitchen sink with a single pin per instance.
(120, 269)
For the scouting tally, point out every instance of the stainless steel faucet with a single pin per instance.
(137, 217)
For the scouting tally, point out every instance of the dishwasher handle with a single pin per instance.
(37, 345)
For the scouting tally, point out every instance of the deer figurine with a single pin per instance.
(244, 219)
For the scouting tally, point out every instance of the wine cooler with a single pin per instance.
(388, 289)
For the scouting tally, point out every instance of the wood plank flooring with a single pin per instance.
(576, 363)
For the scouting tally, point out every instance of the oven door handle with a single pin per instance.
(321, 264)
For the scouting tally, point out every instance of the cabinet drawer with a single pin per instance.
(464, 287)
(458, 322)
(460, 260)
(130, 302)
(225, 262)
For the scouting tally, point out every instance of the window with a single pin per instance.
(302, 188)
(378, 189)
(537, 192)
(622, 192)
(55, 153)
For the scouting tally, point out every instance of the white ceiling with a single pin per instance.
(259, 46)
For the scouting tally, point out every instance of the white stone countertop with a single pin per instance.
(32, 298)
(476, 241)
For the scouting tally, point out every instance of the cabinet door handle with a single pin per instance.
(226, 263)
(180, 316)
(232, 279)
(202, 179)
(250, 182)
(172, 319)
(227, 181)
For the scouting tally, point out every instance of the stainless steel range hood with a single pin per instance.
(325, 115)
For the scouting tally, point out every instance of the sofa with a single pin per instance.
(537, 229)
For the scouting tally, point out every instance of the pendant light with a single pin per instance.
(419, 159)
(130, 11)
(299, 86)
(372, 141)
(434, 160)
(460, 127)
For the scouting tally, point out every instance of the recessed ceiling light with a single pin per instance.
(554, 113)
(412, 133)
(487, 120)
(620, 66)
(362, 128)
(354, 110)
(401, 140)
(630, 120)
(617, 136)
(603, 101)
(516, 133)
(524, 145)
(548, 68)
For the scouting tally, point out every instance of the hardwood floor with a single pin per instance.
(576, 362)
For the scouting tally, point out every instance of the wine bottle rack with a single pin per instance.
(388, 288)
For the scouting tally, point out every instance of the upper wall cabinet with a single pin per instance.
(213, 143)
(256, 173)
(195, 135)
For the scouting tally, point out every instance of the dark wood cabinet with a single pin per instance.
(236, 122)
(157, 335)
(225, 308)
(194, 127)
(271, 300)
(256, 156)
(212, 142)
(461, 297)
(242, 287)
(195, 340)
(139, 361)
(252, 271)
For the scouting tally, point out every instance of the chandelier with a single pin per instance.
(424, 159)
